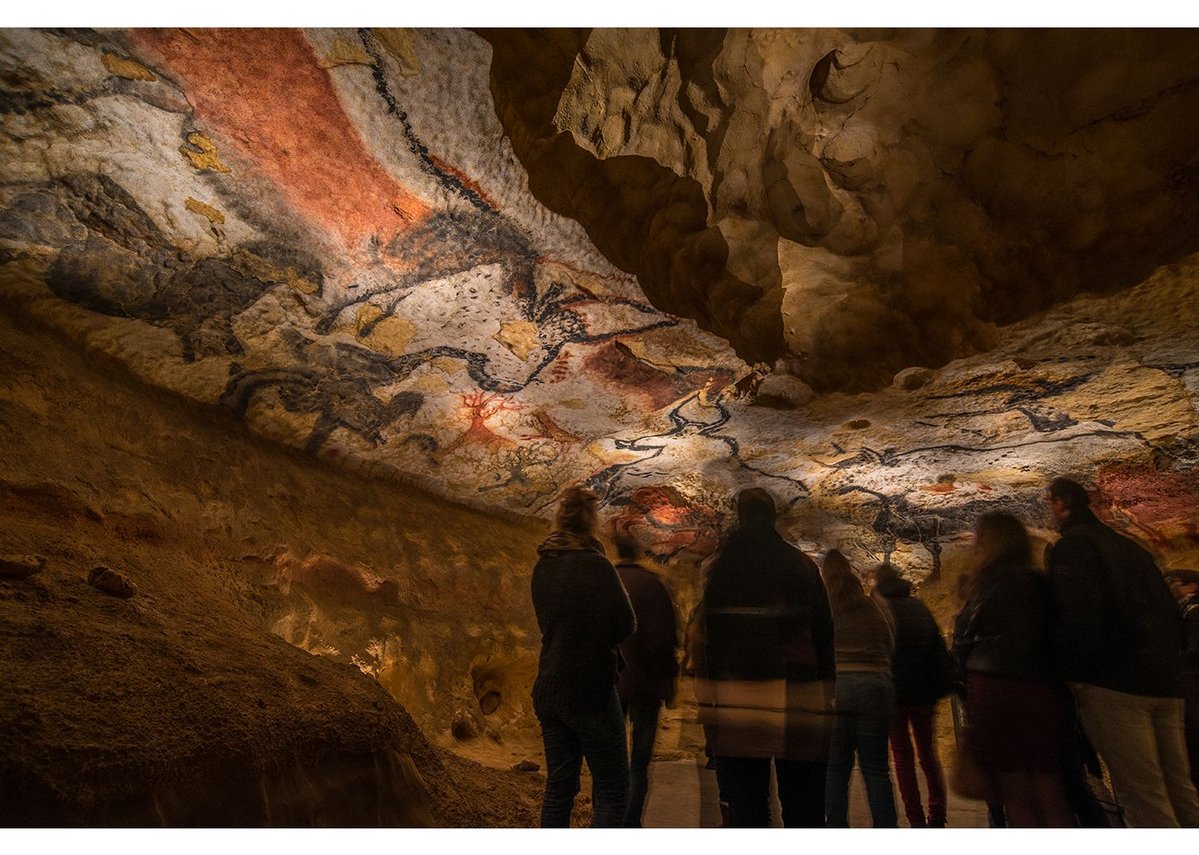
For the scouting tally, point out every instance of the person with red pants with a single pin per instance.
(923, 672)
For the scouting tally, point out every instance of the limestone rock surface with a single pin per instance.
(864, 199)
(475, 264)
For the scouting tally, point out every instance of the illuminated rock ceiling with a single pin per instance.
(497, 265)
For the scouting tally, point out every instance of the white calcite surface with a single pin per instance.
(347, 239)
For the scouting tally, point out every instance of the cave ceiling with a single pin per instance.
(894, 277)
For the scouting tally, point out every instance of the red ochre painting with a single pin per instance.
(262, 90)
(350, 259)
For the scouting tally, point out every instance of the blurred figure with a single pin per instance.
(923, 672)
(767, 666)
(957, 701)
(1119, 645)
(1184, 584)
(651, 669)
(1012, 709)
(583, 613)
(693, 667)
(865, 696)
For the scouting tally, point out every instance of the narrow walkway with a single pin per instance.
(683, 795)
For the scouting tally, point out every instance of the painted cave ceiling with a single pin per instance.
(892, 276)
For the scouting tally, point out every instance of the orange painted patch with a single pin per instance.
(264, 92)
(944, 487)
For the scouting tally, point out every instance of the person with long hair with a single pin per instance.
(1013, 710)
(584, 614)
(864, 641)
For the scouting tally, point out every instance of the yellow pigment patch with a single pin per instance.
(344, 53)
(401, 44)
(448, 364)
(519, 337)
(196, 206)
(130, 69)
(263, 270)
(431, 383)
(204, 156)
(389, 335)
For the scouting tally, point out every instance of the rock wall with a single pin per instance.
(460, 261)
(172, 706)
(861, 201)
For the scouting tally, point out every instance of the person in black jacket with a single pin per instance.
(923, 674)
(766, 671)
(1184, 584)
(584, 614)
(1013, 710)
(649, 677)
(1119, 646)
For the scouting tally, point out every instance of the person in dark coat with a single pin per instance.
(1119, 646)
(651, 669)
(767, 665)
(584, 614)
(923, 673)
(1184, 584)
(1012, 706)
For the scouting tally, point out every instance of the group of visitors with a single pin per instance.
(805, 670)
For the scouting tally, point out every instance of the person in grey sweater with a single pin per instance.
(864, 641)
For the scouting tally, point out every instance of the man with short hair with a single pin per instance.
(1118, 645)
(651, 666)
(766, 671)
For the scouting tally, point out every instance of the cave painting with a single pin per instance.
(265, 92)
(347, 288)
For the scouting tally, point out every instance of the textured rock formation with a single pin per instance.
(487, 267)
(329, 232)
(183, 705)
(866, 200)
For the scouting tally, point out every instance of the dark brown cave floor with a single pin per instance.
(106, 702)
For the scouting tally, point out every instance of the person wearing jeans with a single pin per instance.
(651, 669)
(865, 704)
(864, 639)
(583, 613)
(571, 735)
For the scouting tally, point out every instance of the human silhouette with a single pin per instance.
(923, 672)
(1184, 584)
(865, 696)
(766, 669)
(651, 670)
(1119, 646)
(1012, 706)
(583, 613)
